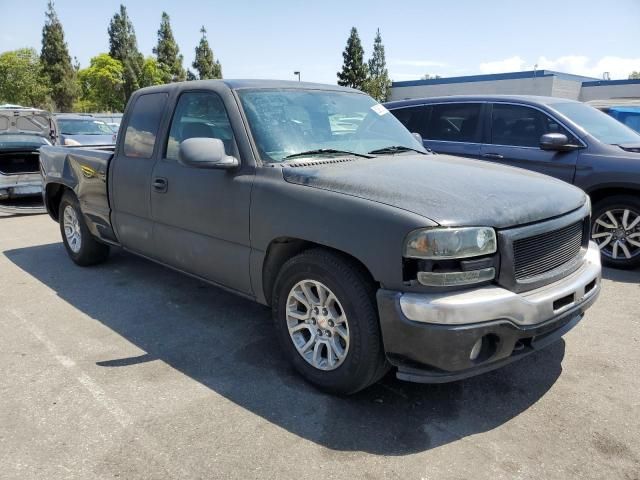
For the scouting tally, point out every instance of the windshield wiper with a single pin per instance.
(396, 149)
(326, 151)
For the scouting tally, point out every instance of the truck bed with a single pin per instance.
(84, 170)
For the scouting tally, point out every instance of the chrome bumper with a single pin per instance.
(492, 302)
(21, 185)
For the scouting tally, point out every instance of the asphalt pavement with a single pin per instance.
(130, 370)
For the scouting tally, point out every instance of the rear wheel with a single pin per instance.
(81, 246)
(327, 322)
(616, 230)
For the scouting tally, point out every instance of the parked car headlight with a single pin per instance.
(450, 243)
(71, 142)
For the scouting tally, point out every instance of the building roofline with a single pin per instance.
(599, 83)
(496, 76)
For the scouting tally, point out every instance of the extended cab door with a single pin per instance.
(453, 128)
(201, 215)
(514, 139)
(130, 172)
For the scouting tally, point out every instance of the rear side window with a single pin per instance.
(521, 126)
(140, 136)
(198, 115)
(414, 118)
(454, 122)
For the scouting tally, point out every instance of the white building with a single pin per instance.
(533, 82)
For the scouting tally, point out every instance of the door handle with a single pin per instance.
(160, 184)
(494, 156)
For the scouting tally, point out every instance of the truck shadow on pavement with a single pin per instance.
(226, 343)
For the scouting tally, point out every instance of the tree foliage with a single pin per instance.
(123, 46)
(103, 84)
(22, 80)
(168, 53)
(204, 62)
(634, 75)
(378, 83)
(56, 62)
(428, 76)
(152, 73)
(354, 70)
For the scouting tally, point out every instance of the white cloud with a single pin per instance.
(618, 67)
(418, 63)
(511, 64)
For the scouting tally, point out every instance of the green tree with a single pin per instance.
(103, 84)
(634, 75)
(56, 62)
(354, 70)
(168, 52)
(123, 46)
(152, 73)
(428, 76)
(378, 84)
(204, 62)
(22, 79)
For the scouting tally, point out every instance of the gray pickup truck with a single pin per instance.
(316, 201)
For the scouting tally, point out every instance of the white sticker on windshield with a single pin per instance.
(379, 109)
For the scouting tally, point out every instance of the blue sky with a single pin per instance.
(271, 39)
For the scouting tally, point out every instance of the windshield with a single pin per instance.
(21, 141)
(285, 123)
(83, 127)
(598, 124)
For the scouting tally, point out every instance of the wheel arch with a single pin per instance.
(281, 249)
(52, 197)
(599, 193)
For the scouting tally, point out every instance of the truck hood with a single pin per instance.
(451, 191)
(29, 121)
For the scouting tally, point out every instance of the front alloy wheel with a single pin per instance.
(617, 233)
(317, 325)
(72, 230)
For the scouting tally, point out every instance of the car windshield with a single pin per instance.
(21, 141)
(598, 124)
(289, 122)
(83, 127)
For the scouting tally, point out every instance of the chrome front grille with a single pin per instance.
(542, 253)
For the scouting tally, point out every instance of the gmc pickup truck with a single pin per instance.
(315, 200)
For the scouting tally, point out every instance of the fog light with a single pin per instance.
(450, 279)
(475, 350)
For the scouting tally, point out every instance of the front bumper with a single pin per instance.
(430, 337)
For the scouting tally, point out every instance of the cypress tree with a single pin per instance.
(354, 70)
(378, 84)
(123, 46)
(56, 62)
(168, 52)
(204, 62)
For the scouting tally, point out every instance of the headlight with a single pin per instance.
(71, 141)
(450, 243)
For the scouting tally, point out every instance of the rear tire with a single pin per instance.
(616, 229)
(81, 246)
(344, 329)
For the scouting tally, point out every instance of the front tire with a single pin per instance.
(81, 246)
(326, 319)
(616, 230)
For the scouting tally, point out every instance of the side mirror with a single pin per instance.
(205, 153)
(418, 137)
(556, 141)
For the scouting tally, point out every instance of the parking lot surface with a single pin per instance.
(130, 370)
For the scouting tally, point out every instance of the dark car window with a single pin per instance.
(414, 118)
(454, 122)
(199, 114)
(140, 136)
(522, 126)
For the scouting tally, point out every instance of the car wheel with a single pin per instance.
(81, 246)
(615, 228)
(326, 319)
